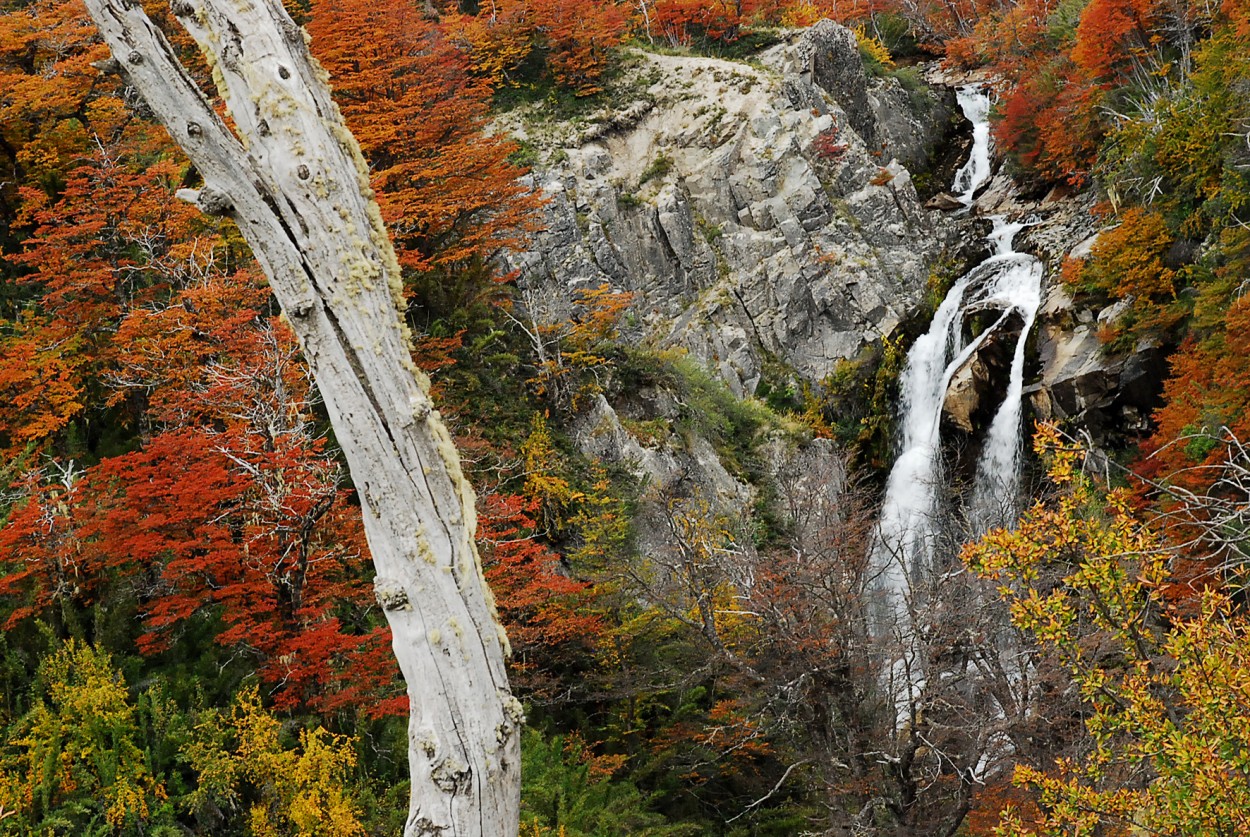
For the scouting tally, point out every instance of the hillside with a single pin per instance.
(855, 399)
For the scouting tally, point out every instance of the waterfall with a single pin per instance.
(975, 105)
(996, 489)
(1009, 283)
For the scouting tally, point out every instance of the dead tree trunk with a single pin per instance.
(294, 180)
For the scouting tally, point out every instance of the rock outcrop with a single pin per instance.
(757, 212)
(978, 386)
(1109, 393)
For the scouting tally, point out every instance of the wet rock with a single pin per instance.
(977, 387)
(963, 396)
(1111, 393)
(945, 202)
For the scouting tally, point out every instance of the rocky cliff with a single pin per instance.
(758, 212)
(765, 217)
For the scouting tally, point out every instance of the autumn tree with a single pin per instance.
(1162, 691)
(113, 237)
(578, 36)
(447, 191)
(51, 104)
(242, 762)
(1130, 261)
(299, 192)
(1114, 36)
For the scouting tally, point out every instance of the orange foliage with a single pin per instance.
(450, 198)
(1112, 35)
(680, 21)
(232, 508)
(49, 106)
(1209, 389)
(114, 239)
(577, 346)
(579, 35)
(1128, 260)
(497, 42)
(999, 794)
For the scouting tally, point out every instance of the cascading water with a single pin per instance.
(996, 490)
(975, 105)
(1007, 282)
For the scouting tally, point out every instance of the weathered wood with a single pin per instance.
(295, 181)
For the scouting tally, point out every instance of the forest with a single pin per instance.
(192, 639)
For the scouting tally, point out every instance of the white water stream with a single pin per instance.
(1009, 283)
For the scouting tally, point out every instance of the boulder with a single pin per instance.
(977, 387)
(945, 202)
(832, 54)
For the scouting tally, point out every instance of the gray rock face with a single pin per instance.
(670, 468)
(833, 54)
(1110, 393)
(748, 209)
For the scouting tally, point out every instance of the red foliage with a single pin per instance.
(115, 238)
(447, 192)
(680, 21)
(546, 612)
(1206, 406)
(1050, 122)
(826, 145)
(232, 508)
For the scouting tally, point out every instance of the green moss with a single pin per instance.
(628, 200)
(659, 167)
(708, 408)
(859, 402)
(711, 232)
(525, 156)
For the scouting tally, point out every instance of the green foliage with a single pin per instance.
(566, 790)
(1199, 442)
(525, 156)
(859, 399)
(707, 406)
(711, 232)
(628, 200)
(779, 388)
(895, 33)
(659, 167)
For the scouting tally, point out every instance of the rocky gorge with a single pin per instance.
(777, 217)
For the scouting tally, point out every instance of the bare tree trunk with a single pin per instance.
(298, 187)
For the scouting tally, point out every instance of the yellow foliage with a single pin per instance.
(1165, 696)
(542, 481)
(79, 742)
(534, 828)
(497, 43)
(873, 48)
(800, 15)
(304, 792)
